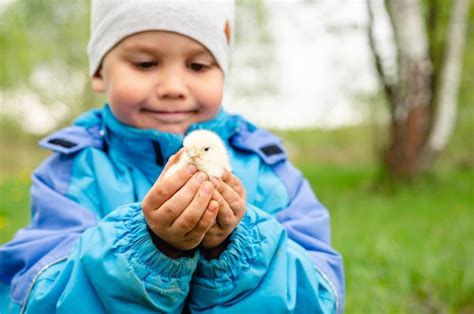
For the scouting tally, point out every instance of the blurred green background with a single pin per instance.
(408, 247)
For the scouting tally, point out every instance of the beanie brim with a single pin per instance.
(187, 18)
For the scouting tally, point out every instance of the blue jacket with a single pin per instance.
(87, 248)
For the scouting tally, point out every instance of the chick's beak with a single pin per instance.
(193, 153)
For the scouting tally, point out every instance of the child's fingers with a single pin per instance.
(233, 199)
(234, 182)
(173, 208)
(225, 216)
(208, 219)
(191, 216)
(164, 188)
(173, 160)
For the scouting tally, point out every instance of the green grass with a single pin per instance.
(14, 205)
(407, 248)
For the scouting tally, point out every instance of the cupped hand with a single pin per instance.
(179, 209)
(230, 195)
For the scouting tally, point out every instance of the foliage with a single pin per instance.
(43, 45)
(437, 14)
(466, 95)
(253, 52)
(39, 32)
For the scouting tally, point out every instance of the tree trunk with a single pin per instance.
(411, 115)
(445, 114)
(417, 133)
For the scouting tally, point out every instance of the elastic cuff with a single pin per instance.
(134, 241)
(159, 242)
(243, 248)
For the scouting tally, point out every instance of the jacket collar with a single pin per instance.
(149, 149)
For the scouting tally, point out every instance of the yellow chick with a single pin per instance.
(206, 151)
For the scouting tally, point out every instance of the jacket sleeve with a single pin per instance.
(307, 223)
(278, 264)
(67, 259)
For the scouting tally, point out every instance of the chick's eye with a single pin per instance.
(206, 149)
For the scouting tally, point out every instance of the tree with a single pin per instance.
(423, 94)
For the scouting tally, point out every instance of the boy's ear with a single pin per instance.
(98, 83)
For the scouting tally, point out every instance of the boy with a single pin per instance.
(108, 234)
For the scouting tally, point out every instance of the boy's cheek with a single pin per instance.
(126, 96)
(209, 93)
(214, 97)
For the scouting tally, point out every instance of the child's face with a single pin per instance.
(161, 80)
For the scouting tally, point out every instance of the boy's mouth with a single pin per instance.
(170, 116)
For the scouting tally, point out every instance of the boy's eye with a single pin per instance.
(146, 65)
(197, 66)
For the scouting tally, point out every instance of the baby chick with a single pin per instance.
(206, 151)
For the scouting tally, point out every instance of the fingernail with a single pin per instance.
(216, 182)
(191, 169)
(207, 188)
(212, 208)
(201, 177)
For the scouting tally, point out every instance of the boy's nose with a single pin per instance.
(171, 86)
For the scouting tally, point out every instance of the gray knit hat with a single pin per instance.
(209, 22)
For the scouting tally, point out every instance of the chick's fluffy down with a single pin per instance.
(206, 151)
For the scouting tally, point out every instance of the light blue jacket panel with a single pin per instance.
(87, 248)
